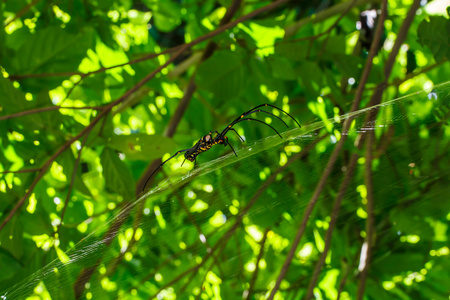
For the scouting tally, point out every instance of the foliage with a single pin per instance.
(94, 93)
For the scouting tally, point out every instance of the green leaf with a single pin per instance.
(11, 238)
(349, 65)
(167, 15)
(436, 36)
(36, 223)
(223, 74)
(10, 94)
(292, 51)
(281, 67)
(67, 161)
(117, 175)
(140, 146)
(311, 77)
(52, 50)
(397, 263)
(9, 266)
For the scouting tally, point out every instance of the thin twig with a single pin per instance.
(244, 211)
(366, 250)
(315, 37)
(72, 181)
(22, 11)
(86, 274)
(333, 157)
(258, 259)
(398, 81)
(332, 224)
(189, 92)
(371, 117)
(44, 109)
(171, 131)
(100, 70)
(83, 132)
(324, 15)
(21, 171)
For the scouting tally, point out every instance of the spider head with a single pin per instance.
(207, 138)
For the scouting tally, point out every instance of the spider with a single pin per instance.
(206, 142)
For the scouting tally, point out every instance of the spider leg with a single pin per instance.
(255, 110)
(219, 135)
(251, 119)
(183, 162)
(181, 151)
(263, 111)
(232, 149)
(240, 137)
(273, 106)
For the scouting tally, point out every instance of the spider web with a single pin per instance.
(200, 233)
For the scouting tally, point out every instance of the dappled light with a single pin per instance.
(204, 149)
(194, 218)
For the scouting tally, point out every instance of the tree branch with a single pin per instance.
(21, 171)
(22, 11)
(100, 70)
(324, 15)
(375, 100)
(333, 157)
(72, 181)
(84, 131)
(252, 282)
(366, 250)
(332, 224)
(44, 109)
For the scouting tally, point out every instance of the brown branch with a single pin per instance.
(343, 280)
(372, 52)
(171, 131)
(199, 230)
(306, 216)
(72, 181)
(398, 81)
(86, 274)
(325, 42)
(190, 90)
(84, 131)
(44, 109)
(332, 224)
(376, 99)
(315, 37)
(107, 108)
(366, 252)
(244, 212)
(223, 240)
(22, 11)
(258, 259)
(402, 33)
(334, 155)
(100, 70)
(21, 171)
(324, 15)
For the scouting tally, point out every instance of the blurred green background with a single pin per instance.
(353, 205)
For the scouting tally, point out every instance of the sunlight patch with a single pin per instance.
(32, 203)
(264, 37)
(218, 219)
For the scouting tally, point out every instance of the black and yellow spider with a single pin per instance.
(206, 142)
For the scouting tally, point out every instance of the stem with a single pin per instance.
(44, 109)
(22, 11)
(334, 155)
(334, 217)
